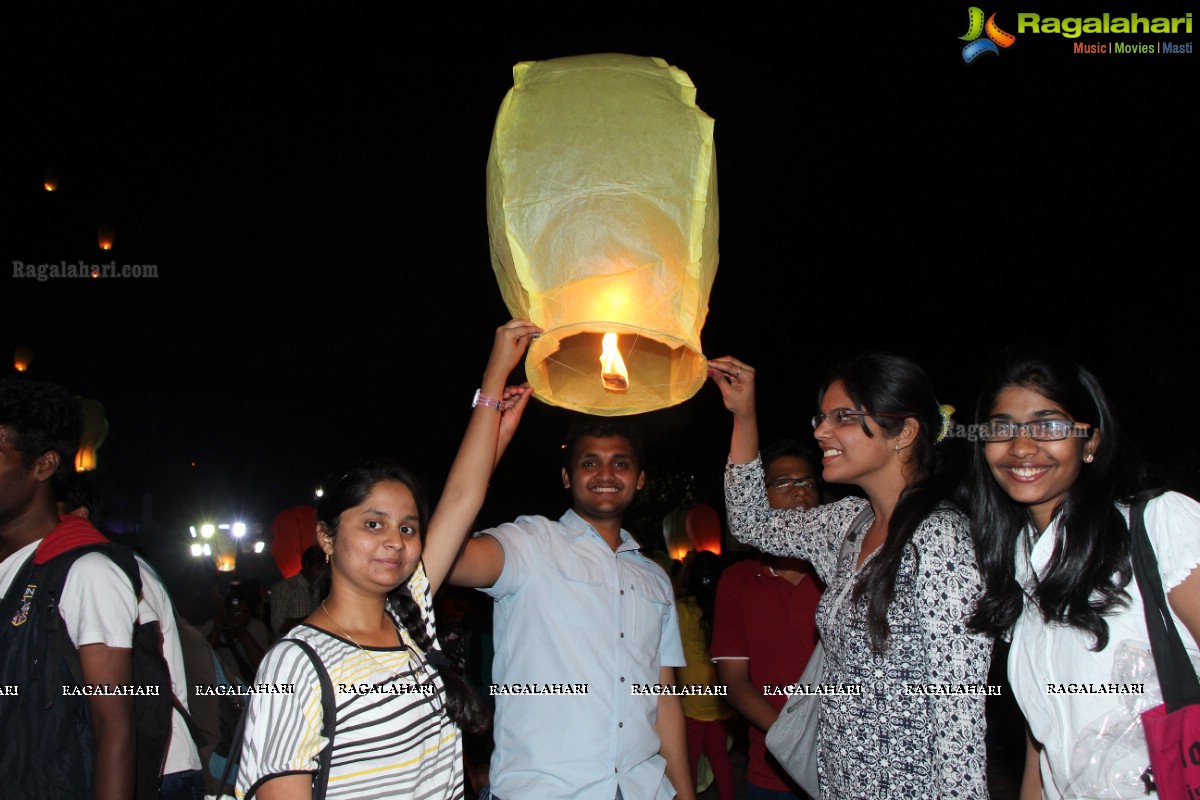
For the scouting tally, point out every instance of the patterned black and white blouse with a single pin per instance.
(889, 741)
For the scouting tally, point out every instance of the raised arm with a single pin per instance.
(736, 382)
(812, 534)
(489, 428)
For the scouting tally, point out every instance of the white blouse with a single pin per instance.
(1084, 706)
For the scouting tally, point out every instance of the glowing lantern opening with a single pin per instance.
(22, 358)
(95, 429)
(606, 229)
(105, 236)
(612, 367)
(85, 458)
(50, 186)
(50, 182)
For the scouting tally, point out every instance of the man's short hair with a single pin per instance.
(42, 417)
(791, 447)
(81, 491)
(603, 428)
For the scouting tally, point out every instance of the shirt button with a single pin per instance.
(622, 634)
(622, 591)
(622, 679)
(620, 724)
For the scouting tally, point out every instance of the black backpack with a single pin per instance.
(49, 749)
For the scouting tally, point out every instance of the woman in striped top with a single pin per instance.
(397, 722)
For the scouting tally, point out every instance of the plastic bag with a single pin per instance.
(1109, 755)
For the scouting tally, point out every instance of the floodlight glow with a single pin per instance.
(207, 550)
(192, 530)
(207, 531)
(197, 550)
(239, 529)
(258, 546)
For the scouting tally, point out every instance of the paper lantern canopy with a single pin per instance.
(602, 214)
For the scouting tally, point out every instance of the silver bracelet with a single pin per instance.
(482, 399)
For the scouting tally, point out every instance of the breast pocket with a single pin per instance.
(573, 601)
(649, 607)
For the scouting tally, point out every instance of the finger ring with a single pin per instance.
(738, 374)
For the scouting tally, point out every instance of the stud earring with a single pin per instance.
(1089, 458)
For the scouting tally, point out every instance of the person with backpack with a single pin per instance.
(69, 614)
(391, 727)
(180, 774)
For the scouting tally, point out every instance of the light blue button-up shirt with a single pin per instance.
(570, 611)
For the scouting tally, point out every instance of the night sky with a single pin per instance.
(310, 186)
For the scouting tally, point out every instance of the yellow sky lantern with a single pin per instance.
(602, 213)
(105, 236)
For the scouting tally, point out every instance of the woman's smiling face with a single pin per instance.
(378, 542)
(1035, 474)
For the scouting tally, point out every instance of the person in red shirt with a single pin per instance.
(765, 630)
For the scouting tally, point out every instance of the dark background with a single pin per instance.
(310, 185)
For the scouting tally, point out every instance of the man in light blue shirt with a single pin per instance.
(586, 633)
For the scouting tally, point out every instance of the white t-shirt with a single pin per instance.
(156, 605)
(98, 607)
(1092, 741)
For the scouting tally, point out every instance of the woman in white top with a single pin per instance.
(1052, 483)
(397, 724)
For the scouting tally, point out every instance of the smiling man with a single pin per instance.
(578, 604)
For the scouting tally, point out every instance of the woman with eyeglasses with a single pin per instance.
(901, 574)
(398, 716)
(1052, 481)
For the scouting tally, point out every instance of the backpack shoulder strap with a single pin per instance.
(329, 719)
(50, 578)
(328, 724)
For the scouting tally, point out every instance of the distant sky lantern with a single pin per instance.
(675, 534)
(602, 213)
(95, 428)
(105, 236)
(704, 528)
(22, 358)
(293, 531)
(50, 182)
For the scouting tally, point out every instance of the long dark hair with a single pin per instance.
(350, 487)
(1090, 566)
(882, 383)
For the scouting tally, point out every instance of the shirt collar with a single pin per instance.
(581, 527)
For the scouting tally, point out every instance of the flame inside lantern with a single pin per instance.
(612, 366)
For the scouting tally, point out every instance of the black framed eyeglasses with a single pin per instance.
(1041, 430)
(786, 484)
(843, 416)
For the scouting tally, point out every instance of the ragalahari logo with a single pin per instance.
(976, 27)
